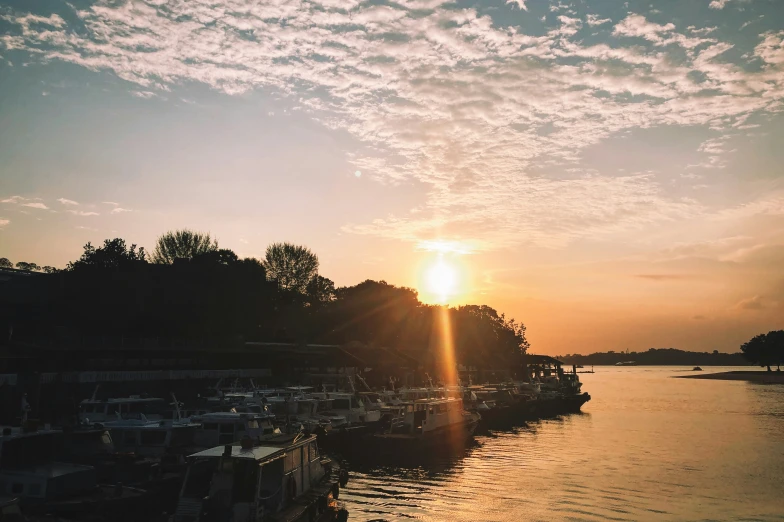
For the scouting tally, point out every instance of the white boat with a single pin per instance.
(166, 441)
(348, 405)
(96, 410)
(426, 422)
(219, 428)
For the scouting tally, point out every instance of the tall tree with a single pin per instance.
(292, 266)
(29, 267)
(50, 269)
(6, 263)
(182, 244)
(765, 349)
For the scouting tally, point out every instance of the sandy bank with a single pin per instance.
(751, 376)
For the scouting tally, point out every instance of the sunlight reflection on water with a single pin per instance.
(647, 447)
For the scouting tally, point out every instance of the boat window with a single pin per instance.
(34, 490)
(226, 428)
(17, 488)
(293, 459)
(112, 408)
(210, 427)
(153, 437)
(129, 437)
(106, 438)
(253, 425)
(182, 437)
(341, 404)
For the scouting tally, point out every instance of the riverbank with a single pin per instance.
(750, 376)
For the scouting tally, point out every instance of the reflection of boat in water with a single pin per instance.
(626, 363)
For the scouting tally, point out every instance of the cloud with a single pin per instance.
(661, 277)
(519, 3)
(120, 210)
(67, 201)
(37, 205)
(482, 117)
(594, 20)
(111, 203)
(12, 199)
(86, 228)
(83, 213)
(718, 4)
(752, 303)
(4, 222)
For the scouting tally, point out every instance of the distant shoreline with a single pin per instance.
(750, 376)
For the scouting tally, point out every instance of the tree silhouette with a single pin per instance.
(50, 269)
(182, 244)
(765, 349)
(6, 263)
(113, 254)
(29, 267)
(320, 290)
(292, 266)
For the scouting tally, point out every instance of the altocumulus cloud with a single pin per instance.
(448, 98)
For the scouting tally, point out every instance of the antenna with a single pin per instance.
(176, 407)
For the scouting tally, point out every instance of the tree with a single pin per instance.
(29, 267)
(114, 254)
(5, 263)
(50, 269)
(292, 266)
(320, 290)
(765, 349)
(182, 244)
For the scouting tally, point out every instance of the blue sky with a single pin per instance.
(594, 157)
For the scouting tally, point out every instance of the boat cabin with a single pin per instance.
(245, 483)
(28, 469)
(426, 415)
(219, 428)
(96, 410)
(349, 406)
(163, 440)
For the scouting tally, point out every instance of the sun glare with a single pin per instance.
(441, 280)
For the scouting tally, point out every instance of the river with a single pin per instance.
(646, 447)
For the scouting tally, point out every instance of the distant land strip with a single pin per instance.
(759, 376)
(657, 356)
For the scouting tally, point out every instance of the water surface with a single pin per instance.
(646, 447)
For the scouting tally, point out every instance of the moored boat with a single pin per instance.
(287, 481)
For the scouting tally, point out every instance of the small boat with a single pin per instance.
(626, 363)
(696, 369)
(428, 423)
(29, 471)
(227, 427)
(94, 410)
(288, 481)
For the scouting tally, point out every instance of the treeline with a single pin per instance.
(658, 356)
(191, 289)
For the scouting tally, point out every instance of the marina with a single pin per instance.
(245, 452)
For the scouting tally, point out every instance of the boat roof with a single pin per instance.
(146, 425)
(17, 433)
(264, 452)
(231, 415)
(435, 400)
(237, 452)
(123, 399)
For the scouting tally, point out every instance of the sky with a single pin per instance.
(607, 172)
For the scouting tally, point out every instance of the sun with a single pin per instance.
(441, 279)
